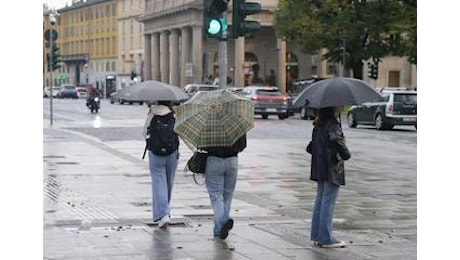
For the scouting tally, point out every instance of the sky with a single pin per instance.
(56, 3)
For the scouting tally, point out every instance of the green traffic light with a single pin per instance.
(217, 26)
(214, 27)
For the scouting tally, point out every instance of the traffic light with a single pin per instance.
(375, 71)
(214, 21)
(56, 55)
(241, 9)
(372, 70)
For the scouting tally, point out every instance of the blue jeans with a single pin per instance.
(162, 171)
(221, 175)
(321, 223)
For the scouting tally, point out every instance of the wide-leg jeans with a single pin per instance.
(162, 172)
(321, 224)
(221, 175)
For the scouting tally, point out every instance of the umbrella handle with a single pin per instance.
(189, 145)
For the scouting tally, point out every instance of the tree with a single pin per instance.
(370, 29)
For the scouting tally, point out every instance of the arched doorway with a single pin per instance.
(251, 70)
(292, 70)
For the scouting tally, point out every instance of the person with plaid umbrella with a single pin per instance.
(217, 122)
(221, 175)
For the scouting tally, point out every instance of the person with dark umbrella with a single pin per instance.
(328, 152)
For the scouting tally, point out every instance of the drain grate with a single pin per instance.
(68, 163)
(73, 203)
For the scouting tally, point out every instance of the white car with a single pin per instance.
(46, 92)
(82, 92)
(192, 89)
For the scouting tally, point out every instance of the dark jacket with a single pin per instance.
(328, 142)
(229, 151)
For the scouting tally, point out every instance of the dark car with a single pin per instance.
(116, 97)
(68, 91)
(297, 103)
(398, 107)
(268, 101)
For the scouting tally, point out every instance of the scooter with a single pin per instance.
(94, 104)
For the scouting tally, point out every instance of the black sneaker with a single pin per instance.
(224, 232)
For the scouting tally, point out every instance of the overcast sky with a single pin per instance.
(56, 4)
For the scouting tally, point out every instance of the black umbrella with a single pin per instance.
(337, 92)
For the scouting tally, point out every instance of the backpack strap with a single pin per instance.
(145, 150)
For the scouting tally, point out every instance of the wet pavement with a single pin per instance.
(97, 201)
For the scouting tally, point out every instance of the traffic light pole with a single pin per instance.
(50, 66)
(223, 57)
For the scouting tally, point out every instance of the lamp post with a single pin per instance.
(343, 37)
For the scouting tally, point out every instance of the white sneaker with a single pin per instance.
(334, 245)
(164, 222)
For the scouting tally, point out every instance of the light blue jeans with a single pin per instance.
(321, 223)
(162, 171)
(221, 175)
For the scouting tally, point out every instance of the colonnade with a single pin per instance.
(168, 52)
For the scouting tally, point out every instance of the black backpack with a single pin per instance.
(162, 138)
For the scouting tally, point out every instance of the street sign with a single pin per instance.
(51, 34)
(189, 69)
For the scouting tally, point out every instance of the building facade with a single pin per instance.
(177, 51)
(106, 42)
(88, 41)
(130, 61)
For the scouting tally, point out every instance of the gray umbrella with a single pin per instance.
(152, 90)
(338, 91)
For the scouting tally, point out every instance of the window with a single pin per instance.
(405, 98)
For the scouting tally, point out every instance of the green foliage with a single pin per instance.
(372, 29)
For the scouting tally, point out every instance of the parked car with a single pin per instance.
(116, 98)
(299, 105)
(192, 89)
(46, 92)
(268, 101)
(82, 92)
(68, 91)
(398, 107)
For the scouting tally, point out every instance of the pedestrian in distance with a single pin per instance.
(328, 152)
(162, 144)
(220, 177)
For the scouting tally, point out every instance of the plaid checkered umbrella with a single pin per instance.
(214, 118)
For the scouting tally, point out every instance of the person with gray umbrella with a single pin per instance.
(162, 144)
(328, 153)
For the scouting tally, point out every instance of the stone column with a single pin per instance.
(147, 57)
(239, 62)
(197, 54)
(185, 55)
(164, 56)
(281, 47)
(156, 57)
(323, 65)
(174, 57)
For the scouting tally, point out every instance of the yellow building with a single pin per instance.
(130, 62)
(87, 38)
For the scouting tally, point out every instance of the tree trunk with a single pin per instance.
(357, 70)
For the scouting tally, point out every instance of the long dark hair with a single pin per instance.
(324, 114)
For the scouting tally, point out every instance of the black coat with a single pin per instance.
(328, 142)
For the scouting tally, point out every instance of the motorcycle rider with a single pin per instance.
(93, 93)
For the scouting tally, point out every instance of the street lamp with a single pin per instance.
(344, 44)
